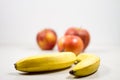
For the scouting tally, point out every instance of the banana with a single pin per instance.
(46, 62)
(87, 64)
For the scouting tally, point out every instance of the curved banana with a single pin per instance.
(87, 64)
(46, 62)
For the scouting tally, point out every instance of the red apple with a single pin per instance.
(82, 33)
(70, 43)
(46, 39)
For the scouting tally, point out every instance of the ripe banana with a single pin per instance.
(46, 62)
(87, 64)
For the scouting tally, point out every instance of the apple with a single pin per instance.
(46, 39)
(70, 43)
(81, 32)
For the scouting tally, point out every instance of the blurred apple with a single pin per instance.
(70, 43)
(46, 39)
(82, 33)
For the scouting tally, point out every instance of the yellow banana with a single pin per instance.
(46, 62)
(87, 64)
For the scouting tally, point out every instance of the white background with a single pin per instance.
(20, 20)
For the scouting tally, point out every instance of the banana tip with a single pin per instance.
(71, 72)
(15, 66)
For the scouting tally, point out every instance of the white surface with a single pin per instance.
(109, 68)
